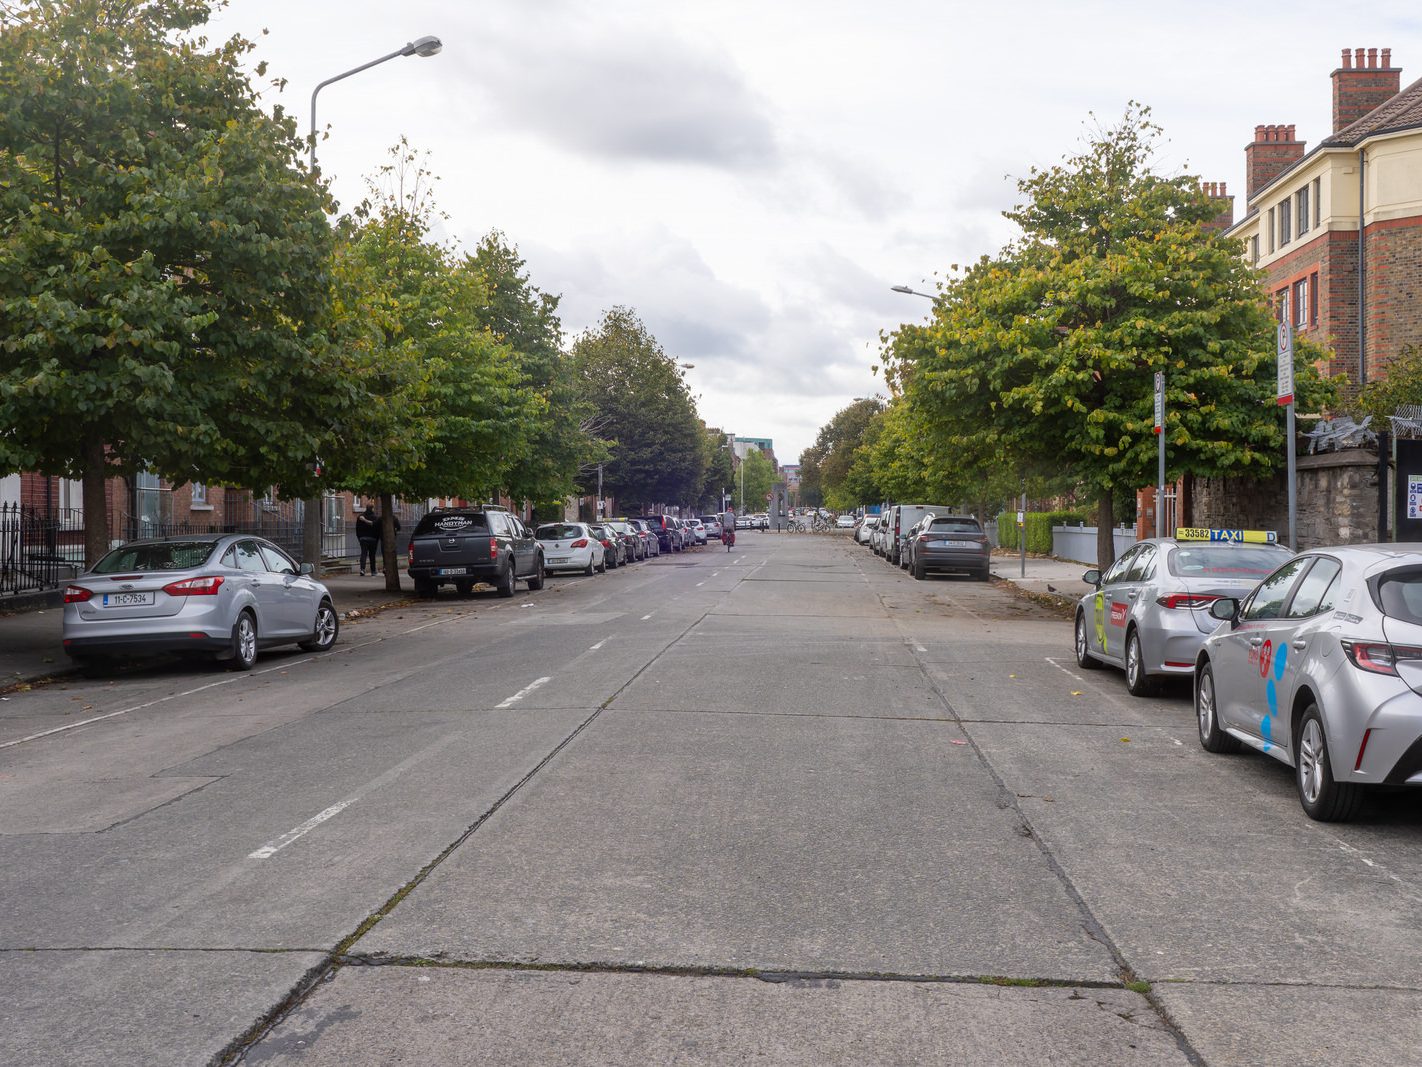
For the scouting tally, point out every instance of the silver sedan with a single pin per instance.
(1148, 612)
(223, 595)
(1321, 668)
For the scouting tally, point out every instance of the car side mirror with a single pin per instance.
(1092, 577)
(1226, 609)
(307, 570)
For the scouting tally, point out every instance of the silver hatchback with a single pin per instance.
(222, 595)
(1321, 668)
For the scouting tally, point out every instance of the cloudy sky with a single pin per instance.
(752, 177)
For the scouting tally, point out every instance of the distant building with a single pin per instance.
(745, 445)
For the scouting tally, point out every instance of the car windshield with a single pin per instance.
(963, 526)
(165, 556)
(1225, 561)
(1400, 594)
(558, 531)
(451, 523)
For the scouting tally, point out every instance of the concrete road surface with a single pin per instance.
(780, 805)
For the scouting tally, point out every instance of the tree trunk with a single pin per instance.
(311, 534)
(389, 550)
(1105, 531)
(96, 503)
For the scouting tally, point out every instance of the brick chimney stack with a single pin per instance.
(1217, 192)
(1274, 150)
(1362, 83)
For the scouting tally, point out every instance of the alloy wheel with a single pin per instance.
(1311, 761)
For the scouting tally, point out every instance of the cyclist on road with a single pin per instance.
(728, 529)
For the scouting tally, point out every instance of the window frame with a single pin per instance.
(1286, 230)
(1302, 215)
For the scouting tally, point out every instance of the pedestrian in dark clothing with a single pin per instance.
(368, 534)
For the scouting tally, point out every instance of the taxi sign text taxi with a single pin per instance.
(1245, 537)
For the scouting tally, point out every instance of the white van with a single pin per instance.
(903, 518)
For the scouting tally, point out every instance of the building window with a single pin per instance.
(1254, 249)
(1317, 202)
(1300, 316)
(1281, 303)
(1302, 214)
(1271, 229)
(199, 493)
(1285, 227)
(1313, 299)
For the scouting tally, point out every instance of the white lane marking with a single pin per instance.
(110, 715)
(1059, 667)
(530, 687)
(919, 648)
(700, 584)
(272, 848)
(715, 574)
(648, 616)
(598, 645)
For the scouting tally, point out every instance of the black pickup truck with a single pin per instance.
(461, 546)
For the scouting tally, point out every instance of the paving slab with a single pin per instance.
(420, 1016)
(152, 1008)
(772, 842)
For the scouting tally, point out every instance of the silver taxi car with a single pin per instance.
(1321, 668)
(1148, 612)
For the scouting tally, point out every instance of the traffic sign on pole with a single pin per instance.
(1286, 398)
(1160, 443)
(1286, 363)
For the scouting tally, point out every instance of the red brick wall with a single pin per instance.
(1274, 150)
(1333, 256)
(1394, 290)
(1361, 84)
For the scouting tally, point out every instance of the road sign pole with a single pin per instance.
(1160, 435)
(1285, 396)
(1022, 530)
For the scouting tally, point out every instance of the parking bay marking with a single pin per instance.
(273, 847)
(598, 645)
(530, 687)
(1059, 667)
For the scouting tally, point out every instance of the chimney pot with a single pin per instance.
(1222, 188)
(1358, 58)
(1387, 58)
(1347, 59)
(1258, 133)
(1372, 59)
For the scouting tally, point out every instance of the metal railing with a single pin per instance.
(39, 549)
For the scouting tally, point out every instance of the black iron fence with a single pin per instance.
(39, 549)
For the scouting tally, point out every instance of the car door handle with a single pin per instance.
(1300, 645)
(1131, 596)
(1255, 642)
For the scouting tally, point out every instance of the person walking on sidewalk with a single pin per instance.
(368, 535)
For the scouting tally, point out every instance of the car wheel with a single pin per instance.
(1084, 658)
(328, 625)
(244, 643)
(1138, 682)
(920, 571)
(426, 589)
(535, 580)
(1212, 737)
(1322, 798)
(591, 568)
(505, 584)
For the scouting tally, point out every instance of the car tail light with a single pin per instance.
(410, 554)
(208, 585)
(77, 594)
(581, 542)
(1186, 600)
(924, 538)
(1378, 657)
(493, 548)
(1362, 748)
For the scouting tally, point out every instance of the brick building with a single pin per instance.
(1312, 218)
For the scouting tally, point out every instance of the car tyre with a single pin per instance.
(1138, 682)
(1212, 737)
(323, 635)
(536, 579)
(505, 586)
(920, 570)
(591, 568)
(426, 589)
(1322, 798)
(244, 643)
(1084, 659)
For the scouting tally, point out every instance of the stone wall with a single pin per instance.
(1337, 500)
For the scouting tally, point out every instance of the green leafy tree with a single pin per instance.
(1382, 397)
(754, 481)
(643, 405)
(1046, 354)
(845, 476)
(162, 257)
(720, 475)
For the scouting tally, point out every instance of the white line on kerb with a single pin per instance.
(310, 824)
(598, 645)
(530, 687)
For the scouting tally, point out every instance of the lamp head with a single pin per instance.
(901, 289)
(424, 46)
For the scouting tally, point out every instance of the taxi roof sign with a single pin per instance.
(1243, 537)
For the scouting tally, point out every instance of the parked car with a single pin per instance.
(712, 523)
(865, 533)
(462, 546)
(225, 596)
(1149, 612)
(1320, 666)
(952, 543)
(644, 531)
(614, 548)
(571, 546)
(904, 518)
(698, 530)
(636, 550)
(666, 532)
(844, 522)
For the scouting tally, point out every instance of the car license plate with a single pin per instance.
(961, 544)
(446, 572)
(558, 559)
(127, 600)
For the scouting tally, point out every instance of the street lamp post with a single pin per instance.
(913, 292)
(424, 47)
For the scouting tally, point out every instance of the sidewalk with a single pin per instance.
(1045, 575)
(30, 641)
